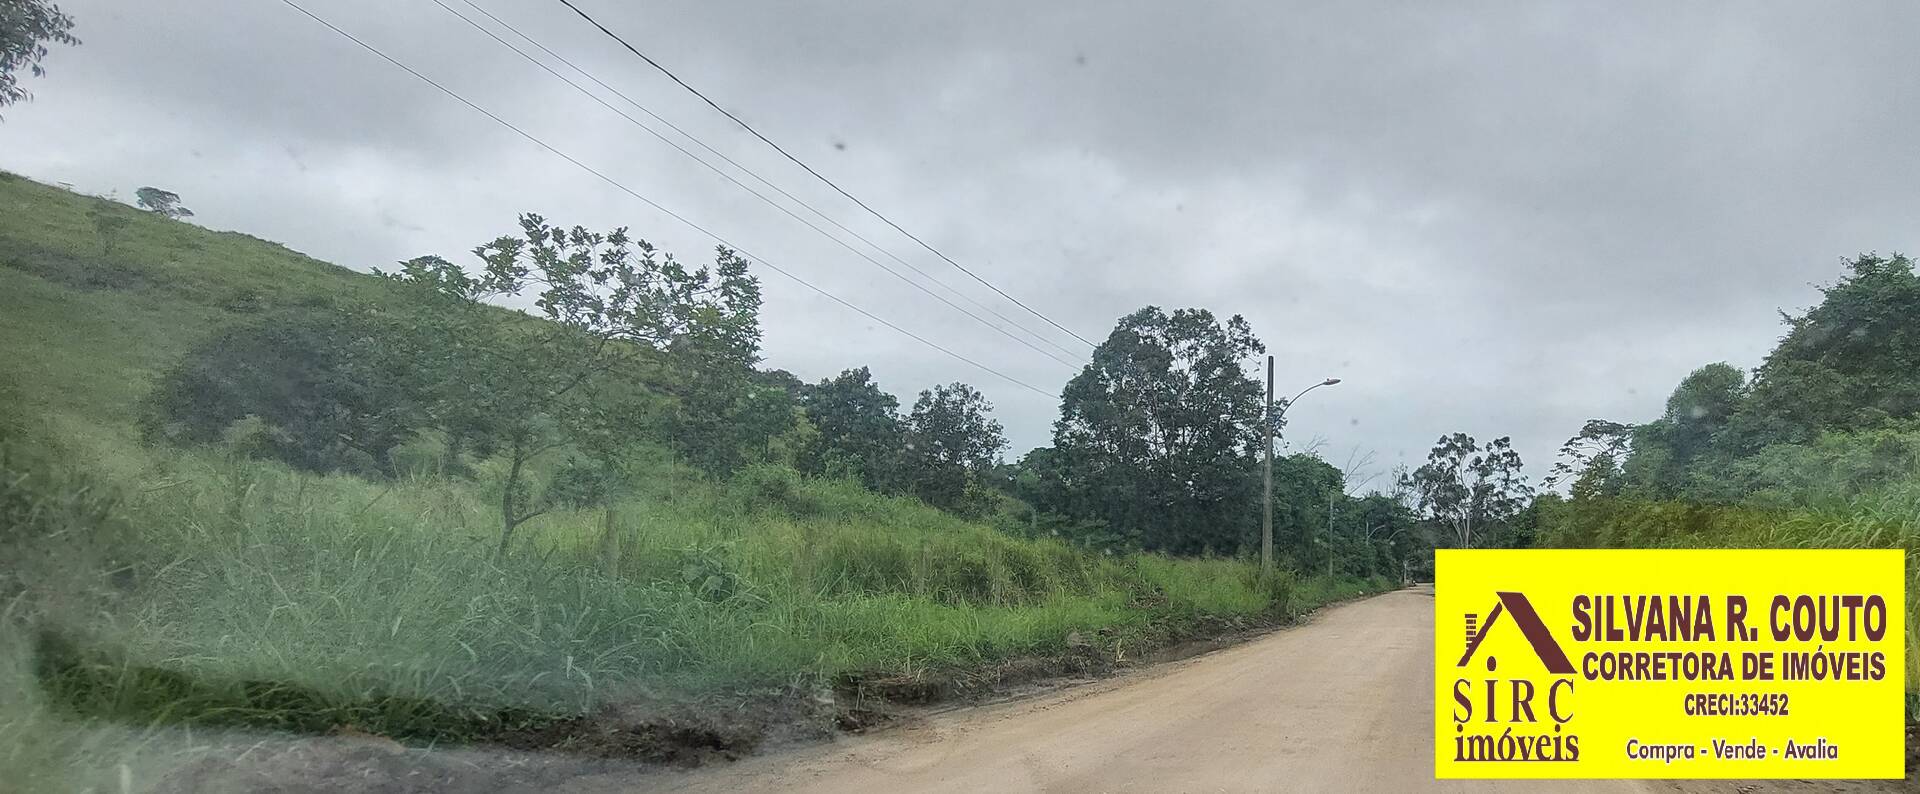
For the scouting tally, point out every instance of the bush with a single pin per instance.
(331, 394)
(776, 488)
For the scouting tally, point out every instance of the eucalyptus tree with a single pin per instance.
(1467, 487)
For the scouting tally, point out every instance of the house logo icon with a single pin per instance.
(1535, 630)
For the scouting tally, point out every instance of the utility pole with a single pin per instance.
(1266, 482)
(1266, 475)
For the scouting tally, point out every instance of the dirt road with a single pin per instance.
(1339, 704)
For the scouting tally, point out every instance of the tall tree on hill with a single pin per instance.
(725, 412)
(1669, 449)
(165, 203)
(859, 429)
(1157, 434)
(1469, 488)
(1590, 461)
(26, 27)
(613, 306)
(952, 444)
(1845, 364)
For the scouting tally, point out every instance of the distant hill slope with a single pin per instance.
(86, 321)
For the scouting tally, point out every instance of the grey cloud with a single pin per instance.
(1488, 218)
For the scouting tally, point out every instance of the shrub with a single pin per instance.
(776, 488)
(322, 381)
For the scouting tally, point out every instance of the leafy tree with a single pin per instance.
(1703, 402)
(328, 386)
(725, 410)
(1669, 449)
(162, 202)
(1467, 487)
(614, 306)
(1845, 364)
(726, 413)
(1591, 458)
(1380, 535)
(605, 467)
(26, 26)
(1304, 488)
(773, 425)
(1040, 481)
(859, 427)
(1157, 434)
(952, 444)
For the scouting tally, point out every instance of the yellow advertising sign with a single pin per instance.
(1669, 664)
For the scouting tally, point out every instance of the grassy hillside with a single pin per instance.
(86, 330)
(144, 586)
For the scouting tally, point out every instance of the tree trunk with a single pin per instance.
(508, 519)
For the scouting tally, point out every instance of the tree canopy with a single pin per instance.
(859, 426)
(1157, 434)
(615, 307)
(1474, 490)
(952, 444)
(330, 387)
(162, 202)
(1844, 366)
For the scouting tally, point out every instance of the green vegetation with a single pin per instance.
(237, 492)
(1819, 449)
(26, 28)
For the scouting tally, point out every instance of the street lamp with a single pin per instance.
(1266, 476)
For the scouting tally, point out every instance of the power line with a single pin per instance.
(663, 210)
(737, 183)
(748, 171)
(816, 174)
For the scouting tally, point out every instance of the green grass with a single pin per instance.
(356, 588)
(1883, 517)
(201, 589)
(381, 606)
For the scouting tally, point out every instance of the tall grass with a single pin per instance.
(1884, 517)
(381, 604)
(196, 587)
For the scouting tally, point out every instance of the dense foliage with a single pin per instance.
(859, 430)
(1819, 447)
(329, 474)
(1842, 386)
(1158, 434)
(330, 390)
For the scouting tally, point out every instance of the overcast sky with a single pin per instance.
(1501, 219)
